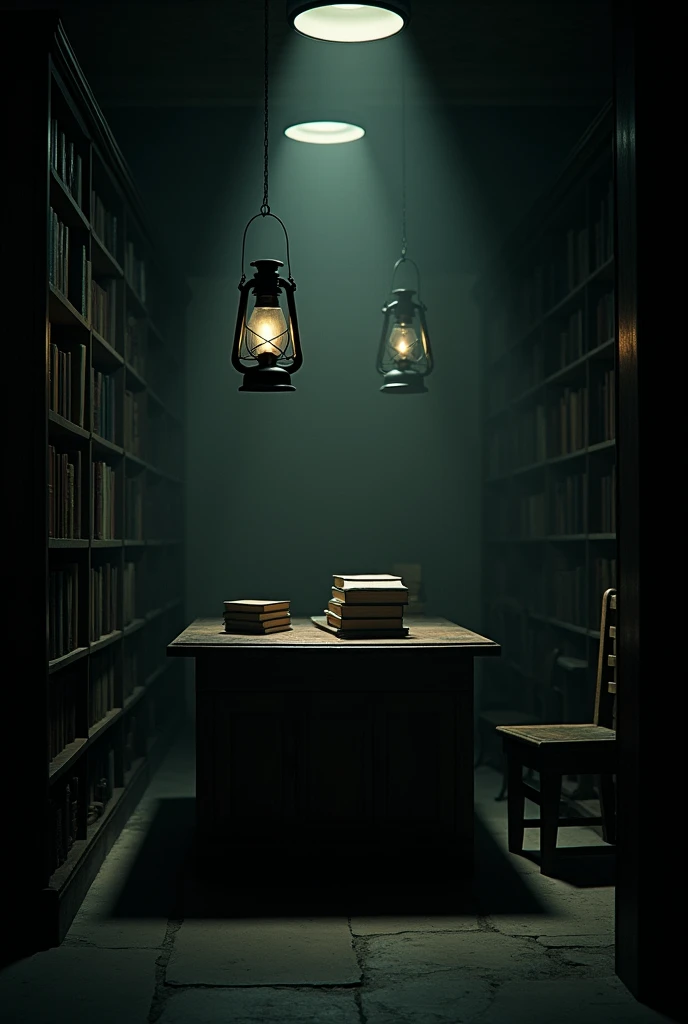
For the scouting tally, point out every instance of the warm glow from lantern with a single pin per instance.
(265, 331)
(404, 341)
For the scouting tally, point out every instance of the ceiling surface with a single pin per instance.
(205, 53)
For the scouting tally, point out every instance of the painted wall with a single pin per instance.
(285, 490)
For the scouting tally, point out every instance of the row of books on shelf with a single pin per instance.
(571, 602)
(104, 404)
(572, 339)
(104, 223)
(101, 781)
(568, 422)
(64, 692)
(134, 508)
(64, 493)
(103, 309)
(67, 381)
(606, 404)
(63, 605)
(605, 318)
(103, 600)
(130, 674)
(135, 339)
(101, 688)
(571, 509)
(135, 270)
(577, 256)
(103, 501)
(70, 276)
(66, 161)
(603, 230)
(134, 418)
(62, 822)
(569, 504)
(129, 592)
(608, 502)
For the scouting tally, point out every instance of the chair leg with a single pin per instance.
(505, 784)
(550, 795)
(516, 804)
(608, 808)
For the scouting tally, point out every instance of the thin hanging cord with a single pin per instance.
(403, 163)
(265, 208)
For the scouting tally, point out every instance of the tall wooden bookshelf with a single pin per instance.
(95, 370)
(549, 458)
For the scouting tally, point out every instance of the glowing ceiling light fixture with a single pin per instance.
(324, 132)
(348, 23)
(267, 346)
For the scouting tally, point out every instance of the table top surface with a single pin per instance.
(208, 634)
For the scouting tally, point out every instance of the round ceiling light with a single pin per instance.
(324, 132)
(347, 23)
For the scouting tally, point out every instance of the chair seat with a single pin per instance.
(507, 716)
(565, 732)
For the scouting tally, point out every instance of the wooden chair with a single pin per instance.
(538, 686)
(566, 749)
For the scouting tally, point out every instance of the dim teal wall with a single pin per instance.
(285, 490)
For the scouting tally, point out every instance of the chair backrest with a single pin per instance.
(605, 689)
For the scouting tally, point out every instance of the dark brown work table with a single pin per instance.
(306, 742)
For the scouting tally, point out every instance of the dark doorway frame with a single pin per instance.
(650, 891)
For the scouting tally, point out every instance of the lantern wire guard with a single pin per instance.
(404, 355)
(267, 347)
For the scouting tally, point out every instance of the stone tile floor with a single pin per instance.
(157, 942)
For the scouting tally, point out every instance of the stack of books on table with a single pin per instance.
(367, 606)
(257, 617)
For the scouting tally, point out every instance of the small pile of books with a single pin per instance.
(257, 617)
(368, 606)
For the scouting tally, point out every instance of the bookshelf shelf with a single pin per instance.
(130, 457)
(106, 354)
(549, 352)
(134, 300)
(103, 260)
(61, 310)
(105, 641)
(134, 379)
(64, 203)
(102, 444)
(66, 758)
(155, 675)
(96, 730)
(133, 626)
(93, 727)
(67, 659)
(61, 425)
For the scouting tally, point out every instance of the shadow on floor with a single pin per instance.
(585, 867)
(169, 879)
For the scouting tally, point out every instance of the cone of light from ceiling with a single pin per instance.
(348, 23)
(324, 133)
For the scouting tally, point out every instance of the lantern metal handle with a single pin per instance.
(406, 259)
(243, 242)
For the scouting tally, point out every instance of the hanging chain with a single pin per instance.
(265, 208)
(403, 163)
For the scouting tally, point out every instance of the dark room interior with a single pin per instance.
(343, 327)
